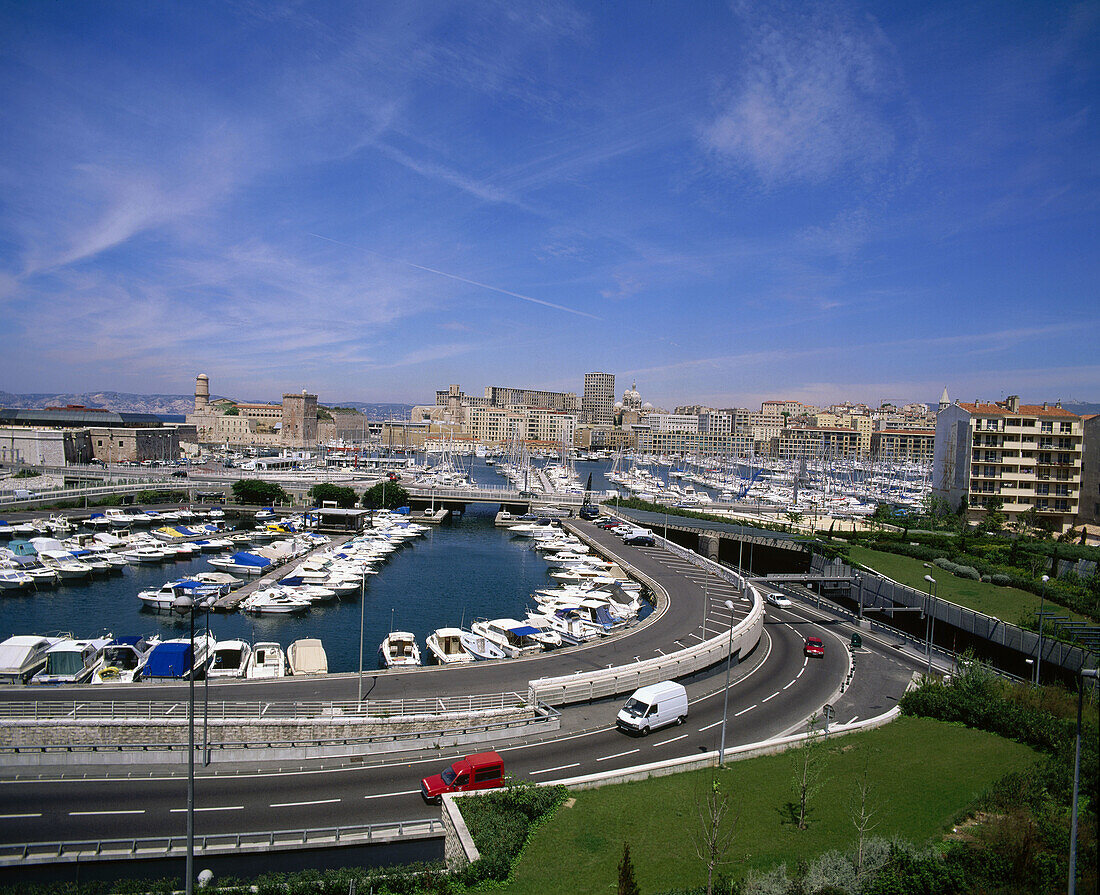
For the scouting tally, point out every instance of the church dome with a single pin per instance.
(647, 407)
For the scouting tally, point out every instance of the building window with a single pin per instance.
(1047, 427)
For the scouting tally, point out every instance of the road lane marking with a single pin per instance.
(220, 808)
(682, 736)
(800, 670)
(564, 767)
(17, 816)
(104, 813)
(854, 719)
(776, 693)
(382, 795)
(301, 804)
(785, 686)
(709, 726)
(618, 755)
(749, 709)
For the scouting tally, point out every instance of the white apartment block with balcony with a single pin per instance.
(1024, 455)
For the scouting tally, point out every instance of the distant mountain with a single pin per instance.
(168, 405)
(1082, 409)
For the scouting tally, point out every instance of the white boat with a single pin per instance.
(569, 625)
(230, 658)
(307, 656)
(62, 562)
(14, 579)
(514, 637)
(243, 562)
(481, 647)
(143, 555)
(165, 597)
(273, 601)
(399, 649)
(267, 661)
(70, 661)
(445, 645)
(22, 655)
(123, 659)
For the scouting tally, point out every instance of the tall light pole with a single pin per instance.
(1039, 655)
(726, 698)
(184, 605)
(929, 626)
(1072, 888)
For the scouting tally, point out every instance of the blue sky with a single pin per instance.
(728, 202)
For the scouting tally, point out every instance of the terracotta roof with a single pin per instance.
(1025, 410)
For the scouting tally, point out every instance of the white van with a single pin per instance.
(657, 705)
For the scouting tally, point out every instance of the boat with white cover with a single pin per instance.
(273, 601)
(307, 656)
(267, 661)
(22, 655)
(70, 661)
(230, 658)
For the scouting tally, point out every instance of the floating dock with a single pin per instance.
(233, 599)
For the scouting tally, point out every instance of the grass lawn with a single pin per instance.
(1009, 604)
(923, 773)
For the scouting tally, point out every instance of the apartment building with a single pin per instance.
(903, 445)
(598, 401)
(1089, 510)
(1025, 456)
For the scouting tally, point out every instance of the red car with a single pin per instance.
(482, 771)
(814, 647)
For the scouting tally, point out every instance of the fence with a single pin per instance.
(217, 844)
(877, 592)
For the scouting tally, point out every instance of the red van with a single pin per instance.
(482, 771)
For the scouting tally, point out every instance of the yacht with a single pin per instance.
(243, 563)
(229, 659)
(399, 649)
(165, 597)
(178, 659)
(70, 661)
(145, 554)
(22, 655)
(481, 647)
(15, 579)
(122, 660)
(307, 656)
(445, 645)
(273, 601)
(514, 637)
(267, 661)
(66, 566)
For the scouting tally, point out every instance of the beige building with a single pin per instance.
(904, 445)
(1089, 508)
(598, 401)
(1023, 456)
(291, 424)
(816, 442)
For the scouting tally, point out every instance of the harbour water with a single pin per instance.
(459, 571)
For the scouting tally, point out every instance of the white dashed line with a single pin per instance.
(749, 709)
(854, 719)
(776, 693)
(787, 685)
(709, 726)
(618, 755)
(302, 804)
(220, 808)
(383, 795)
(104, 813)
(564, 767)
(17, 816)
(682, 736)
(800, 670)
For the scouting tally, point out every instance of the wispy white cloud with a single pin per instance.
(809, 101)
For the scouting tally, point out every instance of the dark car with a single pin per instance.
(179, 473)
(589, 512)
(814, 648)
(639, 540)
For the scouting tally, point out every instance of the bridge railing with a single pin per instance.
(79, 711)
(216, 844)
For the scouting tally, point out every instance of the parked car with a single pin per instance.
(639, 540)
(778, 600)
(588, 511)
(482, 771)
(179, 473)
(814, 648)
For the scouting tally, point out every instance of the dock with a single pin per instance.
(233, 599)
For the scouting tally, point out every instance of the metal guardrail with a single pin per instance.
(368, 710)
(216, 844)
(614, 681)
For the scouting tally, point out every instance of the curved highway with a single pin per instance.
(773, 691)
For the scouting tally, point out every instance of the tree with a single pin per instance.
(794, 519)
(808, 762)
(344, 497)
(862, 816)
(627, 884)
(257, 491)
(385, 496)
(714, 835)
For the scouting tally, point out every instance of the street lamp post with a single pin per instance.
(930, 625)
(1072, 888)
(726, 698)
(184, 605)
(1039, 653)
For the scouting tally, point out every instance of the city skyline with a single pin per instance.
(727, 203)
